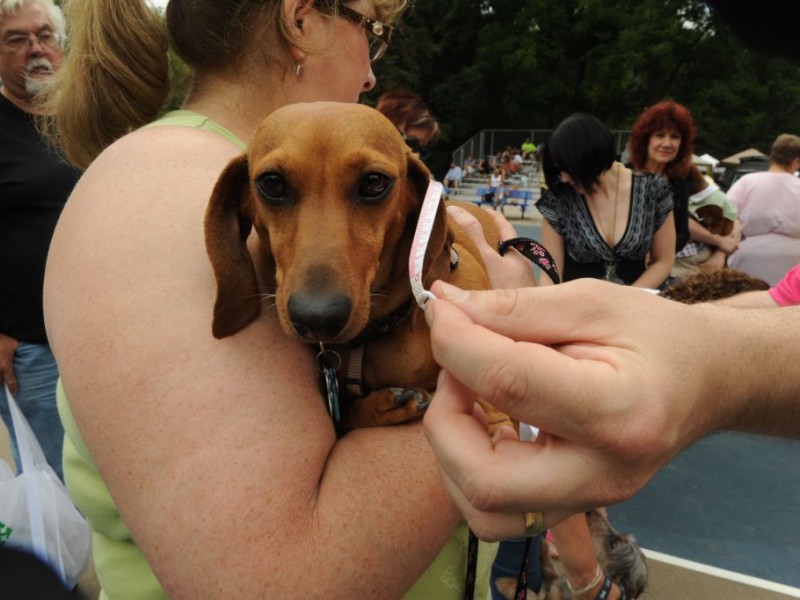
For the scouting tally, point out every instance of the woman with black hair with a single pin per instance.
(602, 220)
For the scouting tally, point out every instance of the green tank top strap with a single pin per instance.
(188, 118)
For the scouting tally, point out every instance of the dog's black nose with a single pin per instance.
(319, 317)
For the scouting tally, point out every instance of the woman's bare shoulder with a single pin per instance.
(132, 233)
(151, 157)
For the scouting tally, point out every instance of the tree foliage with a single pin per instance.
(527, 64)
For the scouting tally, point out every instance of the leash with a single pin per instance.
(521, 593)
(538, 255)
(328, 361)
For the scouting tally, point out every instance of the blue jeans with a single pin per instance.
(509, 560)
(37, 375)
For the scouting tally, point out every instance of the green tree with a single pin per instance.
(527, 64)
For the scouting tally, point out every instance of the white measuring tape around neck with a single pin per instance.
(427, 218)
(416, 258)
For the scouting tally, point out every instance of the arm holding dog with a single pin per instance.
(726, 243)
(217, 453)
(617, 400)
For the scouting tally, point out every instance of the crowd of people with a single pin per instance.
(106, 344)
(752, 227)
(509, 169)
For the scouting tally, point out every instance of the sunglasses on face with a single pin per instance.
(416, 146)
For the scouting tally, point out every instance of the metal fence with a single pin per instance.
(491, 142)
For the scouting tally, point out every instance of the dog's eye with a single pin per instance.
(374, 186)
(272, 186)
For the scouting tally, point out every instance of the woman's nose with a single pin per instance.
(370, 82)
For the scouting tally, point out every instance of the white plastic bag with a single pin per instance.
(36, 510)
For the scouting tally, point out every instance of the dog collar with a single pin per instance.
(377, 329)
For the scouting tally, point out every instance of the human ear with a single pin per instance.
(295, 13)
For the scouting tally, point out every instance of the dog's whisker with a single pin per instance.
(261, 296)
(267, 300)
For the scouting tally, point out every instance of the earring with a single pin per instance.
(297, 69)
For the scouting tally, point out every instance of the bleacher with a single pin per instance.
(521, 191)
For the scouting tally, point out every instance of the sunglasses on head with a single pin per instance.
(416, 146)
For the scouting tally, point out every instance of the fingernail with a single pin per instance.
(441, 378)
(496, 437)
(452, 292)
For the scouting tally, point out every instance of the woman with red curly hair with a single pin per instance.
(661, 142)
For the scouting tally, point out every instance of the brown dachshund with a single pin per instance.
(334, 195)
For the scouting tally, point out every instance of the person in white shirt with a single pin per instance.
(769, 210)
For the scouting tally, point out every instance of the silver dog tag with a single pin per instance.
(332, 387)
(324, 360)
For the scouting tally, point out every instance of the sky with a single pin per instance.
(158, 3)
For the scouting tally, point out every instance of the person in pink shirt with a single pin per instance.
(769, 210)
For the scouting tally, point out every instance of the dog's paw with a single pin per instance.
(389, 406)
(420, 397)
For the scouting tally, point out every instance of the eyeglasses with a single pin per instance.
(19, 41)
(379, 33)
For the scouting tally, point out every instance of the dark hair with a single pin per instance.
(666, 114)
(213, 35)
(583, 147)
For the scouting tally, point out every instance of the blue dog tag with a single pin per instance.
(332, 387)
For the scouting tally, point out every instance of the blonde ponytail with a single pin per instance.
(114, 79)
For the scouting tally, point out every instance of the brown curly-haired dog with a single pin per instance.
(712, 284)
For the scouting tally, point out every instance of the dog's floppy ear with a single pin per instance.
(227, 227)
(440, 239)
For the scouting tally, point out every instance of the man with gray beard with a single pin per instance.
(34, 186)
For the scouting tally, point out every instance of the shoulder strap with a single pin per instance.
(188, 118)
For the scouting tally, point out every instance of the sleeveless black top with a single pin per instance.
(587, 254)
